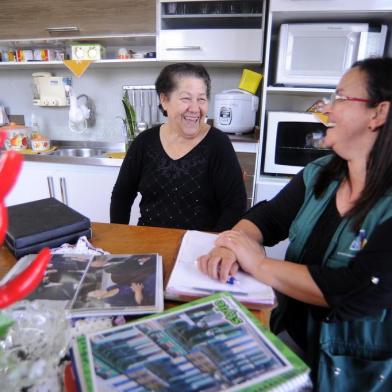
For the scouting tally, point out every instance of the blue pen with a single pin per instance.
(232, 280)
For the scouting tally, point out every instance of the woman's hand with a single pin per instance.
(219, 263)
(137, 288)
(248, 252)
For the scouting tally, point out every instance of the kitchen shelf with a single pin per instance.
(35, 65)
(212, 21)
(220, 16)
(185, 15)
(307, 149)
(299, 90)
(60, 64)
(137, 42)
(105, 40)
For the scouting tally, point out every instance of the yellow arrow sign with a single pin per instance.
(78, 67)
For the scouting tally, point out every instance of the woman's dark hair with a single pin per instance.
(168, 78)
(378, 73)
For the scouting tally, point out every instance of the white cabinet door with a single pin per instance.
(266, 189)
(211, 44)
(88, 189)
(31, 184)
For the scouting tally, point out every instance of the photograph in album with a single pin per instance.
(104, 285)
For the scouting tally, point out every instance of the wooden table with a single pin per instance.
(134, 239)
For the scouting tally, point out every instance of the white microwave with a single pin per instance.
(293, 139)
(317, 54)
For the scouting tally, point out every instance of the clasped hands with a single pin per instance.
(234, 249)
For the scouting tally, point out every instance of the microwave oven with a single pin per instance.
(293, 139)
(317, 54)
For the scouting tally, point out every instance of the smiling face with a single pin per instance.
(352, 131)
(186, 106)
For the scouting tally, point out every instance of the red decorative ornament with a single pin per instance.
(29, 279)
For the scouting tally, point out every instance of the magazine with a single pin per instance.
(104, 285)
(186, 281)
(210, 344)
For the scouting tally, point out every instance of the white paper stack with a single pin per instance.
(187, 281)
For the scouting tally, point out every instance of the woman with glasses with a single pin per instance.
(335, 284)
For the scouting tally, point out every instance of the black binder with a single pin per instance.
(53, 243)
(43, 221)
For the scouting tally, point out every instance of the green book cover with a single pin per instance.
(82, 362)
(210, 344)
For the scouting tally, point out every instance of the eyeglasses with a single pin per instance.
(319, 105)
(340, 98)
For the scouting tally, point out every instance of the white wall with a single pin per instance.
(104, 86)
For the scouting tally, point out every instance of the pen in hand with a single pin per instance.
(232, 280)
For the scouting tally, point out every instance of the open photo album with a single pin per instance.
(104, 285)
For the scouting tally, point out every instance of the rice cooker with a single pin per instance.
(235, 111)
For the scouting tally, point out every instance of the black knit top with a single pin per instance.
(203, 190)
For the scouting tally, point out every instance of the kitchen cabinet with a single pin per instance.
(87, 189)
(266, 189)
(46, 24)
(248, 163)
(211, 30)
(31, 184)
(35, 19)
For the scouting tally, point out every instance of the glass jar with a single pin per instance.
(33, 346)
(18, 136)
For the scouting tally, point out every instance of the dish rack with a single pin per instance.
(146, 104)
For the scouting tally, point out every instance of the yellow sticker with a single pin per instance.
(322, 117)
(78, 67)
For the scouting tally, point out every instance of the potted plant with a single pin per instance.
(129, 120)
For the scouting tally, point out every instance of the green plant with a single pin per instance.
(130, 117)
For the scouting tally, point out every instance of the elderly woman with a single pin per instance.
(186, 171)
(336, 282)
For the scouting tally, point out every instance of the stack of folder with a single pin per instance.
(43, 223)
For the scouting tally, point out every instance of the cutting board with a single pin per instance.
(115, 154)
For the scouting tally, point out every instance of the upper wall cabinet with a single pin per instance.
(211, 30)
(29, 19)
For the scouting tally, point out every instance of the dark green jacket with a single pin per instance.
(353, 355)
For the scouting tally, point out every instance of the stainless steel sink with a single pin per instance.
(80, 152)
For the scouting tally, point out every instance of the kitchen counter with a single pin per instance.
(241, 143)
(101, 160)
(95, 161)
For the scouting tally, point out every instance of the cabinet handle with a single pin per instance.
(185, 48)
(50, 186)
(63, 188)
(65, 29)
